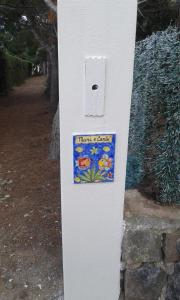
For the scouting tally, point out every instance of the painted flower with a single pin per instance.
(94, 150)
(105, 163)
(79, 149)
(83, 162)
(106, 148)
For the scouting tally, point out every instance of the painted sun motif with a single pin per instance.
(106, 148)
(94, 150)
(79, 149)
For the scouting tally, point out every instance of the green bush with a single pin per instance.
(14, 71)
(155, 114)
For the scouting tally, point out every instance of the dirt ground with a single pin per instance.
(30, 234)
(137, 205)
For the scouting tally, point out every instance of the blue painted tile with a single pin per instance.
(94, 158)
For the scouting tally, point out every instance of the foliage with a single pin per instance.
(14, 32)
(155, 118)
(24, 27)
(91, 175)
(133, 172)
(28, 29)
(13, 71)
(155, 16)
(21, 44)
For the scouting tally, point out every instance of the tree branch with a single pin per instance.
(51, 5)
(12, 7)
(41, 42)
(141, 1)
(3, 6)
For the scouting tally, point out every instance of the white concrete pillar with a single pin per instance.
(92, 213)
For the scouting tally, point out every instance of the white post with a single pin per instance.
(96, 51)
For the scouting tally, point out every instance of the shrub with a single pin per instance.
(133, 172)
(155, 114)
(14, 71)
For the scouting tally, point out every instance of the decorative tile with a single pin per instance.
(94, 158)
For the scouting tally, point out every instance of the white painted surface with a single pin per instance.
(92, 214)
(95, 71)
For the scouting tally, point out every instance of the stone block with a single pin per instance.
(171, 246)
(169, 268)
(141, 246)
(178, 246)
(144, 283)
(173, 285)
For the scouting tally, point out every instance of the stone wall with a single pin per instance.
(150, 266)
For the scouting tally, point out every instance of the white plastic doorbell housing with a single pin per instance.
(95, 73)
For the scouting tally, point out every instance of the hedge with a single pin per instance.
(154, 143)
(13, 71)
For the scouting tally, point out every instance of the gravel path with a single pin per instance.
(30, 234)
